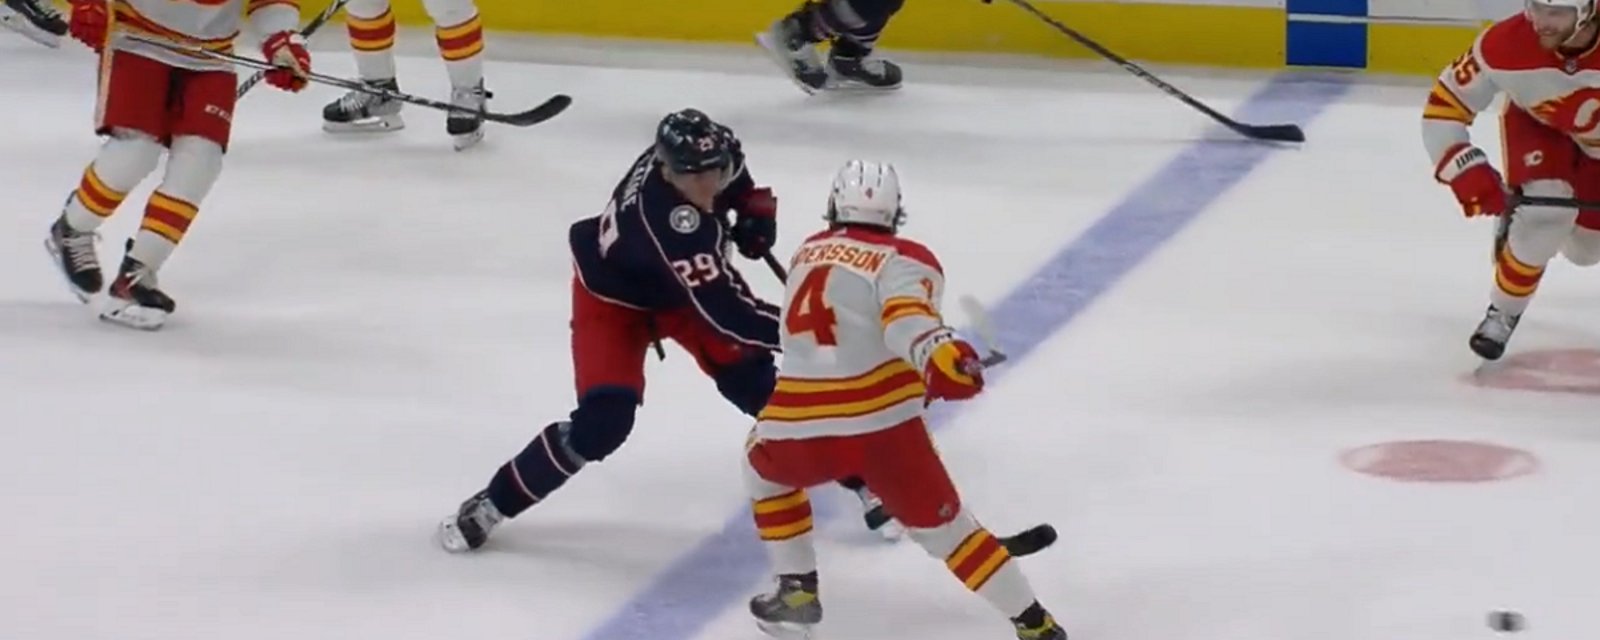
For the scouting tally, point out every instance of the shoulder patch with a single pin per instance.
(684, 219)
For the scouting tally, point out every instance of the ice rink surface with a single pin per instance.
(367, 327)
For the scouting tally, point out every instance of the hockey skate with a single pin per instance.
(1489, 340)
(362, 112)
(786, 44)
(876, 517)
(1047, 631)
(466, 127)
(469, 528)
(36, 20)
(135, 300)
(791, 611)
(76, 259)
(865, 73)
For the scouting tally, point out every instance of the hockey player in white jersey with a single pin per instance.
(1545, 61)
(864, 351)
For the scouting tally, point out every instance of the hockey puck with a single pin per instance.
(1507, 621)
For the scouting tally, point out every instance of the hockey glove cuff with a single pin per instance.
(755, 229)
(287, 50)
(952, 369)
(1478, 187)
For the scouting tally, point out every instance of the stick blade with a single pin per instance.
(545, 111)
(1272, 132)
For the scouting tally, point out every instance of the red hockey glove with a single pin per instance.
(953, 370)
(88, 23)
(756, 229)
(1475, 182)
(287, 50)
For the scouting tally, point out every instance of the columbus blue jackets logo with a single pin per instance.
(684, 219)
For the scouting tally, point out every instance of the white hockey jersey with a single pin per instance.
(858, 306)
(1562, 92)
(208, 24)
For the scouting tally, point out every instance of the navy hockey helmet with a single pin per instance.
(688, 141)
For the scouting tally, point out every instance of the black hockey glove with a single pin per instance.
(755, 226)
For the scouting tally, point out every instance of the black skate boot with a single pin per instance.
(469, 528)
(866, 72)
(788, 44)
(877, 517)
(1489, 341)
(134, 299)
(36, 20)
(357, 111)
(466, 127)
(1037, 624)
(74, 253)
(791, 611)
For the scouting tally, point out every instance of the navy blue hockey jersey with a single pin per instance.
(654, 250)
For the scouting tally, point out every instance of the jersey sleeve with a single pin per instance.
(1462, 91)
(271, 16)
(909, 293)
(693, 247)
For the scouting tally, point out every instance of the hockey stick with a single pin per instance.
(985, 330)
(775, 266)
(545, 111)
(1518, 200)
(1273, 132)
(310, 28)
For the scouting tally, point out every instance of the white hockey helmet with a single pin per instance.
(1585, 8)
(866, 193)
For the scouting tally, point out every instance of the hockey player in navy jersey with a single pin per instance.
(652, 266)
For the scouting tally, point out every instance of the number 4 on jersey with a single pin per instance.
(809, 311)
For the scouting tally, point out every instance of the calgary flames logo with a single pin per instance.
(1576, 113)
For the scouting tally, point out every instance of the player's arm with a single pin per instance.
(1462, 91)
(277, 22)
(909, 293)
(698, 262)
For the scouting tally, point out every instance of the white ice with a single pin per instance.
(367, 327)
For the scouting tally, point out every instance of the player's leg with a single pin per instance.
(131, 113)
(371, 27)
(459, 33)
(854, 27)
(902, 465)
(608, 348)
(200, 122)
(776, 475)
(36, 20)
(1583, 247)
(851, 59)
(1539, 161)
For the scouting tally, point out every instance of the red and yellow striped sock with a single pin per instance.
(373, 42)
(92, 203)
(979, 556)
(784, 517)
(1515, 278)
(461, 46)
(166, 220)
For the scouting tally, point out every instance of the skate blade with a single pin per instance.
(779, 56)
(16, 22)
(133, 316)
(379, 124)
(787, 630)
(55, 257)
(892, 531)
(449, 537)
(465, 141)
